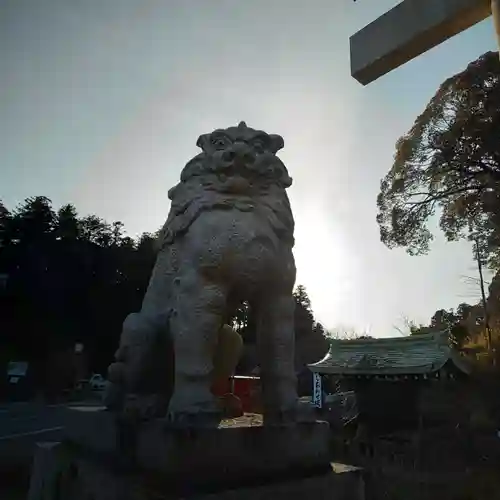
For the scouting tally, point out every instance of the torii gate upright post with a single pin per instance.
(495, 11)
(412, 28)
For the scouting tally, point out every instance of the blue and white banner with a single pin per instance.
(317, 391)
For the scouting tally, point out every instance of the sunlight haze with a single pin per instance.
(102, 102)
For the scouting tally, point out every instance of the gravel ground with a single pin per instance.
(247, 420)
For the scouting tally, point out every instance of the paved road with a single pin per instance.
(24, 424)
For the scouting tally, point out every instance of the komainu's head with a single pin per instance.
(239, 152)
(237, 169)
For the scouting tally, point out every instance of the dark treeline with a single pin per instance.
(68, 279)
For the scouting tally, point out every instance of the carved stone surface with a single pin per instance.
(228, 238)
(232, 455)
(95, 429)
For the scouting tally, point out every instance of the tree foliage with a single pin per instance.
(304, 317)
(70, 279)
(448, 165)
(457, 322)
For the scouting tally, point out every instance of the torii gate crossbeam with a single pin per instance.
(410, 29)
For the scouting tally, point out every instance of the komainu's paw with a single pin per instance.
(145, 406)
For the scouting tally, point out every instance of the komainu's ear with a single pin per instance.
(203, 141)
(275, 143)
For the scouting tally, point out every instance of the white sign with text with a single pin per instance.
(317, 391)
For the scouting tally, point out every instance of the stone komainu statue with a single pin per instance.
(228, 238)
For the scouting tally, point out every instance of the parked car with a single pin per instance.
(97, 382)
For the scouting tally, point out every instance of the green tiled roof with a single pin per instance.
(412, 355)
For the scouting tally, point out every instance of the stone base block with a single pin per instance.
(234, 461)
(202, 457)
(64, 473)
(233, 455)
(93, 428)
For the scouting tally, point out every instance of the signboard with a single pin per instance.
(317, 391)
(17, 368)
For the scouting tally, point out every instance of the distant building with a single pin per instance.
(389, 375)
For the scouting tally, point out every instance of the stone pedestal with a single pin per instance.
(233, 456)
(97, 461)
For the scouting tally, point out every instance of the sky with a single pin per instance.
(101, 103)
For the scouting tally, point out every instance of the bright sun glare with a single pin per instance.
(325, 266)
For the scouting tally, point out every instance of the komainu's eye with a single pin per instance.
(219, 142)
(259, 146)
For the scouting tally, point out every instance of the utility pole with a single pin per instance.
(483, 294)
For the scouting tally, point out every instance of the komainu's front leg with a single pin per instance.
(276, 345)
(141, 379)
(195, 323)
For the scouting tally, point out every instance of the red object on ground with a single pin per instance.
(243, 387)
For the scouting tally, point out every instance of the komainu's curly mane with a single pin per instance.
(237, 170)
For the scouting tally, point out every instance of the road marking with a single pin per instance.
(34, 406)
(16, 407)
(31, 433)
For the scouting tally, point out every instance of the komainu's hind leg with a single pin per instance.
(276, 346)
(195, 323)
